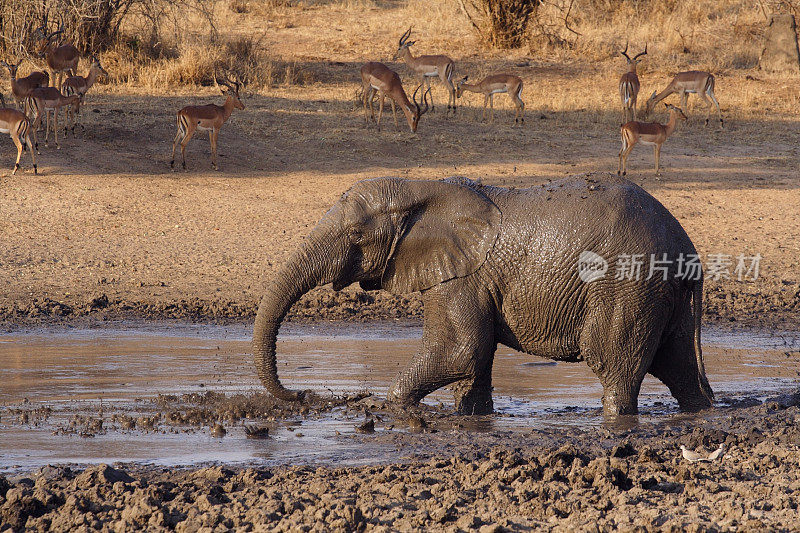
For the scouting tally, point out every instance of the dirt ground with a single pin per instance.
(601, 478)
(106, 231)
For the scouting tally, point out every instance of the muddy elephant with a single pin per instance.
(498, 265)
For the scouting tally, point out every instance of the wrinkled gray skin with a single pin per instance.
(500, 266)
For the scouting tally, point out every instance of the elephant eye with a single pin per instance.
(356, 235)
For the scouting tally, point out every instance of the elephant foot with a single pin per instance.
(616, 403)
(472, 400)
(694, 403)
(400, 399)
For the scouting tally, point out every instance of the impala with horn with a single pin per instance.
(60, 58)
(629, 85)
(208, 118)
(378, 79)
(45, 99)
(80, 85)
(495, 84)
(427, 67)
(17, 126)
(21, 87)
(696, 82)
(653, 133)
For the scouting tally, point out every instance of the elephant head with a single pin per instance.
(389, 233)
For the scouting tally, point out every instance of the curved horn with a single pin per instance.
(642, 53)
(414, 99)
(50, 37)
(425, 101)
(405, 37)
(625, 52)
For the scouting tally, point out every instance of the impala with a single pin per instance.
(60, 58)
(208, 118)
(80, 85)
(16, 124)
(494, 84)
(684, 83)
(629, 85)
(378, 79)
(647, 133)
(427, 67)
(46, 99)
(21, 87)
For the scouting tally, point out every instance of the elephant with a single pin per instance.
(501, 266)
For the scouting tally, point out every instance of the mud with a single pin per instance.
(729, 302)
(194, 443)
(592, 479)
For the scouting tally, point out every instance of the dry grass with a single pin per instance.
(679, 35)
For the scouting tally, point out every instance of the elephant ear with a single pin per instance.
(446, 232)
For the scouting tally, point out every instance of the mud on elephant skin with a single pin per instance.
(501, 266)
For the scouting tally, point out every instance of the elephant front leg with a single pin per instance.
(474, 396)
(458, 346)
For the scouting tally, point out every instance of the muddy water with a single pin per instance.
(96, 372)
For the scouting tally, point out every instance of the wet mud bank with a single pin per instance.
(193, 442)
(772, 306)
(594, 479)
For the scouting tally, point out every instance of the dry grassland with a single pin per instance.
(106, 216)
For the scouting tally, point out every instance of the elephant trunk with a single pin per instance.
(301, 274)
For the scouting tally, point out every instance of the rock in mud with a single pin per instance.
(417, 423)
(101, 474)
(218, 431)
(256, 432)
(367, 427)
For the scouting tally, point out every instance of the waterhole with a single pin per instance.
(58, 383)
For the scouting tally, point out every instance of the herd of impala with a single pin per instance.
(35, 97)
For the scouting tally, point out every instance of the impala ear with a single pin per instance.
(446, 232)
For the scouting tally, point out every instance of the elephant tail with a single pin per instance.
(697, 311)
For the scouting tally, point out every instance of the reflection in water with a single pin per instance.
(80, 371)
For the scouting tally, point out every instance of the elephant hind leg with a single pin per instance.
(619, 348)
(675, 365)
(458, 346)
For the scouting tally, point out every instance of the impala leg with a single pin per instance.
(184, 142)
(364, 95)
(371, 109)
(212, 138)
(18, 143)
(710, 104)
(491, 105)
(657, 152)
(46, 127)
(178, 138)
(451, 92)
(380, 110)
(394, 114)
(427, 81)
(485, 103)
(367, 100)
(55, 127)
(627, 148)
(31, 148)
(710, 93)
(519, 107)
(36, 123)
